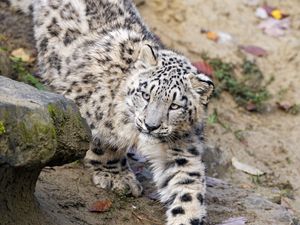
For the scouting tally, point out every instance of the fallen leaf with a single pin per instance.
(100, 206)
(203, 67)
(251, 107)
(254, 50)
(289, 107)
(275, 28)
(212, 36)
(277, 14)
(22, 54)
(285, 106)
(246, 168)
(234, 221)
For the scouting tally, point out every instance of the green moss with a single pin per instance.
(69, 126)
(246, 90)
(36, 133)
(55, 112)
(2, 127)
(22, 73)
(35, 138)
(64, 117)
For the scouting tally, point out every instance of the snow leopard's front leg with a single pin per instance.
(180, 177)
(182, 187)
(111, 170)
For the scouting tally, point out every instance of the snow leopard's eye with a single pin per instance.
(175, 106)
(146, 96)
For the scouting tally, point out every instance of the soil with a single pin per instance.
(271, 138)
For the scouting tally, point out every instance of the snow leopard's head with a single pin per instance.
(166, 94)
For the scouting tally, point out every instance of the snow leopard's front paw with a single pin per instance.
(124, 182)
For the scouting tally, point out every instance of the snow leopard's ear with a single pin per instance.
(147, 56)
(203, 86)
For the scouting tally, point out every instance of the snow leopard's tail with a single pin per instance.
(23, 5)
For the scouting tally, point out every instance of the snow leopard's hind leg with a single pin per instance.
(111, 169)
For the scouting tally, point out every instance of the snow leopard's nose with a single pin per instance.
(154, 115)
(152, 127)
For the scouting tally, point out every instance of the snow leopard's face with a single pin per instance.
(169, 96)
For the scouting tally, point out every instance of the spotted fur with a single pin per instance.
(132, 92)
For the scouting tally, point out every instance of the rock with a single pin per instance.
(226, 201)
(37, 129)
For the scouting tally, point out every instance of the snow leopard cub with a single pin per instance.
(132, 92)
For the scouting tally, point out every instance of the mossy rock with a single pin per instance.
(39, 127)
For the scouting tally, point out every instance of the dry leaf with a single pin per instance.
(246, 168)
(277, 14)
(251, 107)
(212, 36)
(254, 50)
(285, 106)
(22, 54)
(203, 67)
(100, 206)
(275, 28)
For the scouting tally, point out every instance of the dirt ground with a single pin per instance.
(271, 139)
